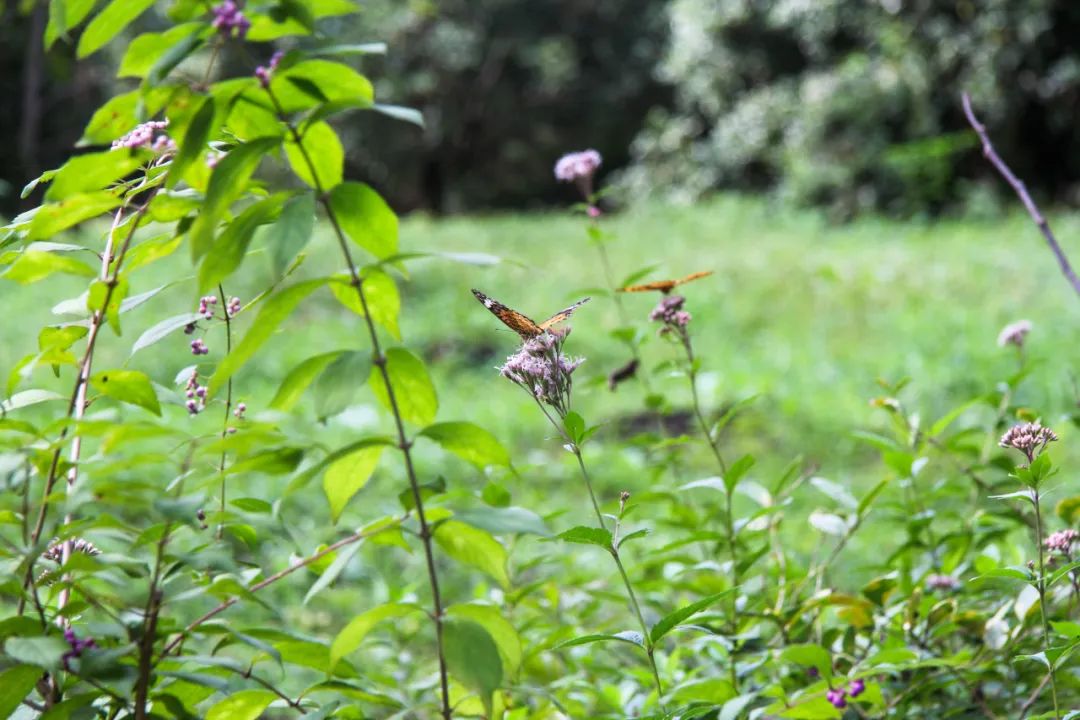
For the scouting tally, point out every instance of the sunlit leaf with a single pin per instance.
(414, 393)
(366, 218)
(127, 386)
(469, 442)
(347, 475)
(473, 547)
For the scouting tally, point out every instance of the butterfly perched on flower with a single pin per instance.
(519, 323)
(666, 286)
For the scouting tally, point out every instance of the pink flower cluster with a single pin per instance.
(543, 371)
(196, 394)
(669, 311)
(241, 408)
(1028, 438)
(265, 72)
(1062, 541)
(233, 307)
(149, 135)
(206, 304)
(1014, 333)
(198, 347)
(838, 697)
(577, 166)
(229, 20)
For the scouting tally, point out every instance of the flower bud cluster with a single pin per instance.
(229, 20)
(196, 394)
(148, 135)
(1028, 438)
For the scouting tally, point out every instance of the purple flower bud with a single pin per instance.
(230, 21)
(836, 698)
(856, 688)
(189, 328)
(593, 212)
(198, 347)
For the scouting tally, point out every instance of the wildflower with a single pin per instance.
(233, 307)
(205, 306)
(148, 135)
(76, 646)
(1062, 541)
(837, 698)
(856, 688)
(579, 168)
(1014, 333)
(543, 371)
(265, 72)
(942, 582)
(241, 408)
(55, 551)
(198, 347)
(229, 20)
(195, 393)
(593, 212)
(1028, 438)
(624, 496)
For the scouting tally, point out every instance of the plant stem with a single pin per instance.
(332, 548)
(1042, 599)
(379, 360)
(613, 549)
(228, 407)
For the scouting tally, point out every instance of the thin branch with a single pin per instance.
(228, 405)
(1021, 191)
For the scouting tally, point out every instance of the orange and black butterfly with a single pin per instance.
(665, 286)
(522, 325)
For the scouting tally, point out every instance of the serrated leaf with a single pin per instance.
(671, 620)
(584, 535)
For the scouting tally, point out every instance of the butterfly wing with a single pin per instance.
(562, 314)
(511, 318)
(694, 276)
(666, 286)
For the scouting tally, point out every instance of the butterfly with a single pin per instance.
(665, 286)
(522, 325)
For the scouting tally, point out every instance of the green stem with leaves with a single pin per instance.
(1041, 587)
(228, 408)
(379, 360)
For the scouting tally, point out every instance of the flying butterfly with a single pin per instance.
(666, 286)
(522, 325)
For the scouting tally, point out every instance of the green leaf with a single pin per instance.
(670, 621)
(381, 294)
(64, 15)
(15, 684)
(350, 637)
(227, 183)
(92, 172)
(630, 637)
(173, 56)
(44, 652)
(273, 313)
(27, 398)
(231, 245)
(472, 657)
(346, 476)
(304, 477)
(473, 547)
(413, 390)
(810, 655)
(331, 573)
(275, 461)
(585, 535)
(323, 148)
(52, 218)
(346, 50)
(242, 705)
(575, 427)
(292, 231)
(366, 218)
(34, 265)
(116, 16)
(337, 83)
(399, 112)
(299, 378)
(738, 469)
(470, 442)
(127, 386)
(498, 627)
(113, 119)
(145, 50)
(163, 329)
(338, 383)
(194, 146)
(501, 520)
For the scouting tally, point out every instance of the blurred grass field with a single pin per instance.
(800, 313)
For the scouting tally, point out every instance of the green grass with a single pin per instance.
(802, 314)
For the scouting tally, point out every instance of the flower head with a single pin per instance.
(669, 312)
(1028, 438)
(579, 168)
(837, 698)
(150, 135)
(942, 582)
(1014, 333)
(265, 72)
(229, 20)
(1062, 541)
(541, 369)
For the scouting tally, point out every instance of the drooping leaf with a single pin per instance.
(51, 218)
(472, 657)
(474, 547)
(498, 627)
(337, 385)
(470, 442)
(64, 16)
(34, 265)
(347, 475)
(127, 386)
(335, 82)
(228, 250)
(350, 637)
(193, 147)
(145, 50)
(366, 218)
(414, 393)
(291, 232)
(163, 329)
(299, 379)
(92, 172)
(320, 159)
(44, 651)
